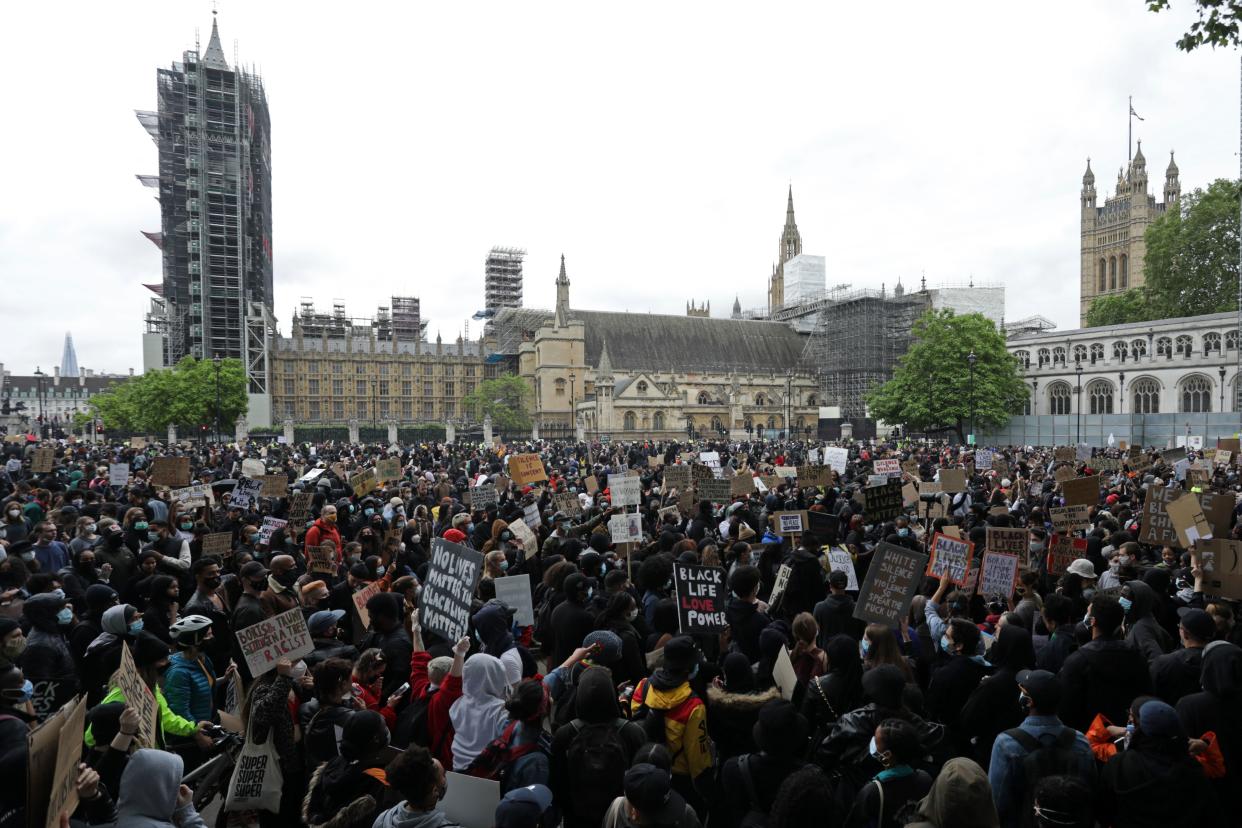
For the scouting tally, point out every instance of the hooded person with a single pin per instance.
(351, 790)
(15, 723)
(993, 706)
(479, 716)
(119, 623)
(960, 798)
(492, 625)
(1143, 632)
(1218, 708)
(47, 661)
(98, 598)
(733, 707)
(12, 642)
(572, 620)
(152, 795)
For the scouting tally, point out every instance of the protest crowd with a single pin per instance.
(704, 633)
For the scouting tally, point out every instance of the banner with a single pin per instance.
(451, 580)
(1000, 574)
(322, 559)
(701, 598)
(1066, 519)
(514, 593)
(950, 558)
(892, 578)
(1009, 541)
(526, 468)
(281, 636)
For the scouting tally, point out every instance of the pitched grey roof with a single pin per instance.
(213, 58)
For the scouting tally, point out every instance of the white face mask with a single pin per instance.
(631, 615)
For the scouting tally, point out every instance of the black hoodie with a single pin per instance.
(1219, 709)
(1155, 783)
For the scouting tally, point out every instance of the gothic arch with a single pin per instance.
(631, 421)
(1194, 395)
(1145, 396)
(1060, 396)
(1100, 396)
(657, 421)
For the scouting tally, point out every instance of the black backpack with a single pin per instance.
(412, 726)
(597, 759)
(755, 816)
(1043, 758)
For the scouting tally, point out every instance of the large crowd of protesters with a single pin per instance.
(1106, 694)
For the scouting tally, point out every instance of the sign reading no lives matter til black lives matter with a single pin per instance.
(445, 600)
(700, 598)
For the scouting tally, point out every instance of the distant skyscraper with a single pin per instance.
(69, 358)
(215, 173)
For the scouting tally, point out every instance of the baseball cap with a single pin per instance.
(522, 807)
(650, 790)
(253, 569)
(1198, 623)
(1043, 687)
(324, 619)
(1083, 568)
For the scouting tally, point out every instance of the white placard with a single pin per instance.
(983, 460)
(624, 489)
(118, 474)
(253, 468)
(889, 467)
(627, 528)
(840, 560)
(784, 676)
(281, 636)
(514, 593)
(711, 459)
(470, 801)
(837, 458)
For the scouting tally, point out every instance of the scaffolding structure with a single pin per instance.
(400, 323)
(407, 324)
(502, 280)
(857, 339)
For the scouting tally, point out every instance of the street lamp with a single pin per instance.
(215, 360)
(1078, 371)
(39, 394)
(972, 359)
(572, 377)
(1035, 411)
(1222, 388)
(1121, 394)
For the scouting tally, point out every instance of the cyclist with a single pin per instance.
(190, 680)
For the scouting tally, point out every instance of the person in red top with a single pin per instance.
(324, 528)
(438, 723)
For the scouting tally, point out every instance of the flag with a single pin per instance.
(1135, 114)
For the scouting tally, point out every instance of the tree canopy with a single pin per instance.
(931, 387)
(1217, 24)
(1191, 266)
(505, 399)
(184, 395)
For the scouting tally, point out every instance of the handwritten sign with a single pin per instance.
(360, 599)
(270, 527)
(388, 470)
(983, 459)
(782, 581)
(626, 528)
(701, 597)
(139, 697)
(63, 796)
(1007, 541)
(483, 496)
(363, 483)
(1067, 519)
(1000, 574)
(219, 544)
(717, 491)
(677, 477)
(1082, 491)
(567, 503)
(890, 584)
(526, 468)
(246, 494)
(274, 485)
(281, 636)
(445, 601)
(1221, 561)
(1063, 551)
(523, 534)
(118, 474)
(1188, 520)
(950, 558)
(837, 458)
(814, 475)
(840, 560)
(170, 471)
(514, 593)
(1157, 525)
(625, 490)
(952, 480)
(322, 559)
(299, 507)
(42, 459)
(883, 502)
(888, 466)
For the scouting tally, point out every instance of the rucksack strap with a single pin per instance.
(1028, 741)
(743, 764)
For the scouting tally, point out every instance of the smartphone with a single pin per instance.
(402, 690)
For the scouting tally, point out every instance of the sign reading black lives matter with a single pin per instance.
(445, 600)
(701, 597)
(883, 502)
(889, 587)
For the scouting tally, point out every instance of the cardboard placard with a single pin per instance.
(624, 490)
(1066, 454)
(701, 596)
(360, 599)
(883, 502)
(840, 560)
(1221, 561)
(42, 746)
(274, 485)
(138, 442)
(999, 574)
(950, 558)
(983, 459)
(837, 458)
(139, 697)
(192, 497)
(952, 480)
(782, 581)
(246, 493)
(888, 466)
(514, 593)
(219, 544)
(655, 462)
(526, 468)
(299, 507)
(677, 477)
(1157, 526)
(711, 459)
(469, 801)
(814, 475)
(322, 559)
(483, 496)
(281, 636)
(523, 534)
(788, 523)
(253, 467)
(717, 491)
(363, 483)
(1188, 520)
(784, 676)
(1173, 455)
(911, 467)
(909, 495)
(270, 527)
(1007, 541)
(530, 515)
(63, 797)
(170, 471)
(118, 474)
(1082, 491)
(445, 602)
(1067, 519)
(42, 460)
(1063, 551)
(892, 579)
(567, 503)
(741, 485)
(626, 528)
(388, 470)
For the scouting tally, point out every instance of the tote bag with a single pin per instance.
(257, 779)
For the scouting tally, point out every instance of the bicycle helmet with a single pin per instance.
(190, 631)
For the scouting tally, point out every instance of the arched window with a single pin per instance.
(1112, 273)
(1146, 396)
(810, 398)
(1097, 352)
(771, 422)
(1164, 347)
(1103, 276)
(1100, 394)
(1058, 356)
(1059, 394)
(761, 399)
(1125, 271)
(716, 424)
(1196, 395)
(631, 421)
(1119, 350)
(1023, 358)
(1211, 343)
(1138, 348)
(1184, 345)
(657, 421)
(1045, 356)
(1080, 353)
(705, 398)
(642, 388)
(1231, 341)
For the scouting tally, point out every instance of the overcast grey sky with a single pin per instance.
(651, 143)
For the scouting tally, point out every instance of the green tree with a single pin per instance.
(506, 399)
(184, 395)
(931, 387)
(1217, 24)
(1191, 267)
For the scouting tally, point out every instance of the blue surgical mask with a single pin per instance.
(368, 512)
(153, 536)
(504, 565)
(136, 627)
(65, 616)
(254, 538)
(903, 532)
(945, 644)
(25, 694)
(864, 647)
(1125, 602)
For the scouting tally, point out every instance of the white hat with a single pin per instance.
(1082, 568)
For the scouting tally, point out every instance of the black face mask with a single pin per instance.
(287, 579)
(258, 586)
(212, 583)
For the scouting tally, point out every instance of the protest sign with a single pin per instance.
(983, 459)
(299, 507)
(670, 511)
(1065, 454)
(469, 801)
(1008, 541)
(1063, 473)
(139, 697)
(388, 470)
(823, 525)
(1233, 445)
(138, 442)
(270, 527)
(1082, 451)
(246, 493)
(42, 747)
(626, 528)
(909, 495)
(911, 467)
(567, 503)
(483, 496)
(530, 515)
(876, 480)
(170, 471)
(363, 483)
(950, 558)
(311, 476)
(1000, 466)
(741, 485)
(676, 477)
(1198, 478)
(192, 497)
(701, 597)
(219, 544)
(999, 575)
(952, 480)
(514, 593)
(118, 474)
(252, 467)
(322, 559)
(526, 468)
(1064, 550)
(883, 502)
(786, 472)
(814, 475)
(1173, 455)
(840, 560)
(1221, 561)
(1157, 525)
(1082, 491)
(451, 580)
(525, 536)
(41, 460)
(655, 462)
(281, 636)
(888, 466)
(891, 581)
(788, 523)
(782, 581)
(784, 675)
(711, 459)
(767, 482)
(1188, 520)
(274, 485)
(837, 458)
(63, 797)
(624, 490)
(360, 599)
(717, 491)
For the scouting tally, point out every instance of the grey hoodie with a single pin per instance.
(148, 797)
(399, 816)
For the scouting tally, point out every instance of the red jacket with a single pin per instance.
(320, 531)
(438, 721)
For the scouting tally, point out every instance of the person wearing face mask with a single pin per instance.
(952, 684)
(1143, 632)
(47, 661)
(16, 720)
(249, 608)
(119, 624)
(619, 616)
(420, 779)
(572, 621)
(13, 527)
(894, 792)
(390, 637)
(97, 600)
(84, 537)
(281, 594)
(163, 607)
(137, 528)
(112, 551)
(1106, 674)
(12, 642)
(80, 577)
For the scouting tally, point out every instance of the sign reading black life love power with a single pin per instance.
(445, 601)
(701, 598)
